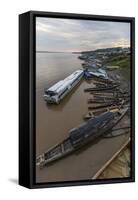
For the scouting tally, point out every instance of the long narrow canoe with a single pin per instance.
(101, 88)
(81, 136)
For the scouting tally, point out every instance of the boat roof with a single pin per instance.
(98, 72)
(92, 124)
(63, 83)
(55, 86)
(102, 71)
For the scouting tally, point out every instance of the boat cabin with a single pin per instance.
(55, 93)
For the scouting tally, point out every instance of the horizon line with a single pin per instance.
(78, 51)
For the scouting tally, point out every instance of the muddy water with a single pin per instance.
(54, 121)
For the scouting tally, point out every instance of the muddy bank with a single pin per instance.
(121, 166)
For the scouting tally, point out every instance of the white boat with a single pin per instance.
(55, 93)
(99, 73)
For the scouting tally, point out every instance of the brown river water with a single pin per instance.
(53, 122)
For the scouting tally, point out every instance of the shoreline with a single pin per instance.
(93, 61)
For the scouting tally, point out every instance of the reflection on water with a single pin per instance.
(53, 122)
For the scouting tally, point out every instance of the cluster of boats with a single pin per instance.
(59, 90)
(95, 73)
(100, 121)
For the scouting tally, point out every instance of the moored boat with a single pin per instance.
(101, 88)
(82, 135)
(96, 73)
(59, 90)
(94, 113)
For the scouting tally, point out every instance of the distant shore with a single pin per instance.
(103, 50)
(58, 52)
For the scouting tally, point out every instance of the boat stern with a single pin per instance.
(40, 161)
(50, 99)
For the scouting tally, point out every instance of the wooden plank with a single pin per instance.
(111, 160)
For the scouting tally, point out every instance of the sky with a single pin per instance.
(54, 34)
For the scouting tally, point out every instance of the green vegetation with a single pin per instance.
(121, 61)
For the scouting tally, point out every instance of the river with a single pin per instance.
(53, 122)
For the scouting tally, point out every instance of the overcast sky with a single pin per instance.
(79, 35)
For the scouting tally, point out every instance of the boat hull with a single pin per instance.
(74, 141)
(70, 84)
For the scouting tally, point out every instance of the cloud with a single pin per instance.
(53, 34)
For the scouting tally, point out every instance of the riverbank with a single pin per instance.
(116, 63)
